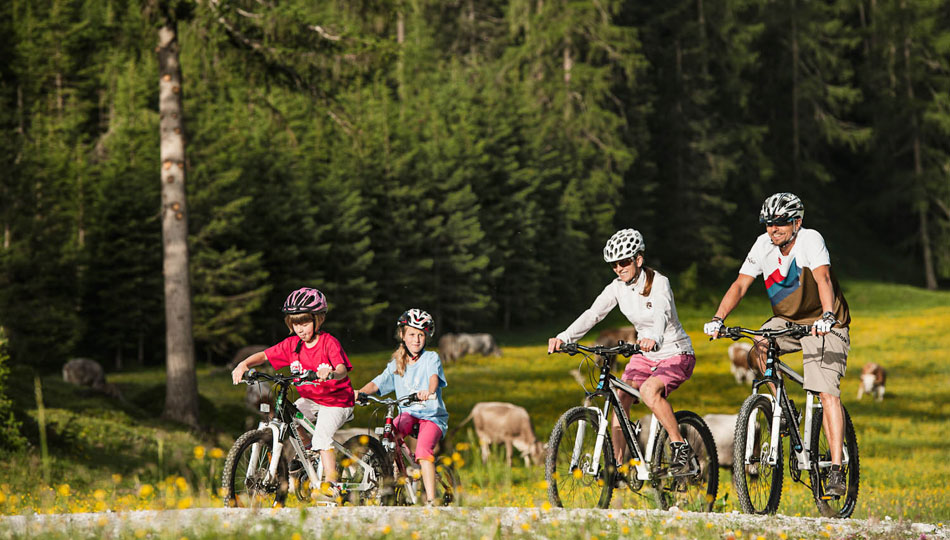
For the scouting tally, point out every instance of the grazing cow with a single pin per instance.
(609, 338)
(257, 393)
(740, 365)
(723, 428)
(454, 346)
(873, 377)
(243, 353)
(89, 373)
(498, 422)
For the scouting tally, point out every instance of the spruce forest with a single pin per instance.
(466, 157)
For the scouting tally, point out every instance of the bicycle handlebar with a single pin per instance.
(361, 399)
(791, 329)
(626, 349)
(252, 375)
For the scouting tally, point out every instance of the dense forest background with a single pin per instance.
(468, 157)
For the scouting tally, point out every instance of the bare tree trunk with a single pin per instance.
(796, 149)
(181, 393)
(930, 276)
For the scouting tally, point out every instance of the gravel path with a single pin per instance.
(336, 522)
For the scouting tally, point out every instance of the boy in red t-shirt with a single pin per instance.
(330, 402)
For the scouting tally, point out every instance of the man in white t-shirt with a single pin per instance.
(802, 288)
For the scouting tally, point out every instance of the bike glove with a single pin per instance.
(824, 324)
(713, 327)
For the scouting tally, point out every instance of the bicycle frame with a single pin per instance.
(776, 372)
(286, 415)
(609, 385)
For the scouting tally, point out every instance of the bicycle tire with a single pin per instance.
(572, 487)
(370, 451)
(696, 492)
(841, 507)
(448, 483)
(252, 492)
(758, 486)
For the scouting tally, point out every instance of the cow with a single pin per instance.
(259, 392)
(873, 377)
(89, 373)
(740, 362)
(723, 429)
(609, 338)
(498, 422)
(454, 346)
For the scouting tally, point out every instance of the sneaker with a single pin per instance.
(682, 458)
(834, 484)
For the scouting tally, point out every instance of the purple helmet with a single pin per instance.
(417, 319)
(305, 300)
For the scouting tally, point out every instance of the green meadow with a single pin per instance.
(103, 454)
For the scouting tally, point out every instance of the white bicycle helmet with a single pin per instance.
(781, 207)
(624, 244)
(418, 319)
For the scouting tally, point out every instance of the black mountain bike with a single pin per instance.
(581, 470)
(765, 420)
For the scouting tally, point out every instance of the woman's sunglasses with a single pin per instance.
(621, 263)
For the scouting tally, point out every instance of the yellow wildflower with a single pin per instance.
(146, 490)
(63, 490)
(181, 483)
(217, 453)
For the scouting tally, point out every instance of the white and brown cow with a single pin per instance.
(873, 377)
(610, 338)
(740, 359)
(497, 422)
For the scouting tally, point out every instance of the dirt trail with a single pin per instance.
(338, 522)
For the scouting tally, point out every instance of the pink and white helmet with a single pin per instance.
(624, 244)
(417, 319)
(305, 300)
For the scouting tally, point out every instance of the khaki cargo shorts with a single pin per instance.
(824, 358)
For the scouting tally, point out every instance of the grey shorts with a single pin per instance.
(824, 358)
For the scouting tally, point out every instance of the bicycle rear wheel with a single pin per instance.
(829, 506)
(366, 487)
(693, 491)
(758, 484)
(245, 480)
(573, 481)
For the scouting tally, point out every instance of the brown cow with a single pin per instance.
(498, 422)
(873, 377)
(740, 362)
(609, 338)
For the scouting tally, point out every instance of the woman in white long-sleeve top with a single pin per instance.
(646, 299)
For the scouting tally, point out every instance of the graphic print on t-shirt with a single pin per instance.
(779, 286)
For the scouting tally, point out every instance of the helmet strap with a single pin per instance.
(795, 229)
(411, 356)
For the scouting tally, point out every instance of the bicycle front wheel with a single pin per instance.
(448, 483)
(695, 489)
(830, 506)
(758, 484)
(245, 480)
(365, 476)
(576, 475)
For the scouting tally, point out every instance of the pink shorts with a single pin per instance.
(673, 371)
(429, 434)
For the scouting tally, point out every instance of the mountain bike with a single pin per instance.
(403, 486)
(256, 469)
(761, 426)
(581, 470)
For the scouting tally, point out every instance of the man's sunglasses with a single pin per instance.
(776, 222)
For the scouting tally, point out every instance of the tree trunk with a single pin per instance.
(181, 392)
(796, 150)
(930, 276)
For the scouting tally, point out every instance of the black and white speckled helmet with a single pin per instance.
(781, 207)
(624, 244)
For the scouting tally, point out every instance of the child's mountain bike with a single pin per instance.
(765, 420)
(256, 470)
(403, 483)
(581, 470)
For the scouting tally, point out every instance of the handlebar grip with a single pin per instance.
(362, 398)
(569, 348)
